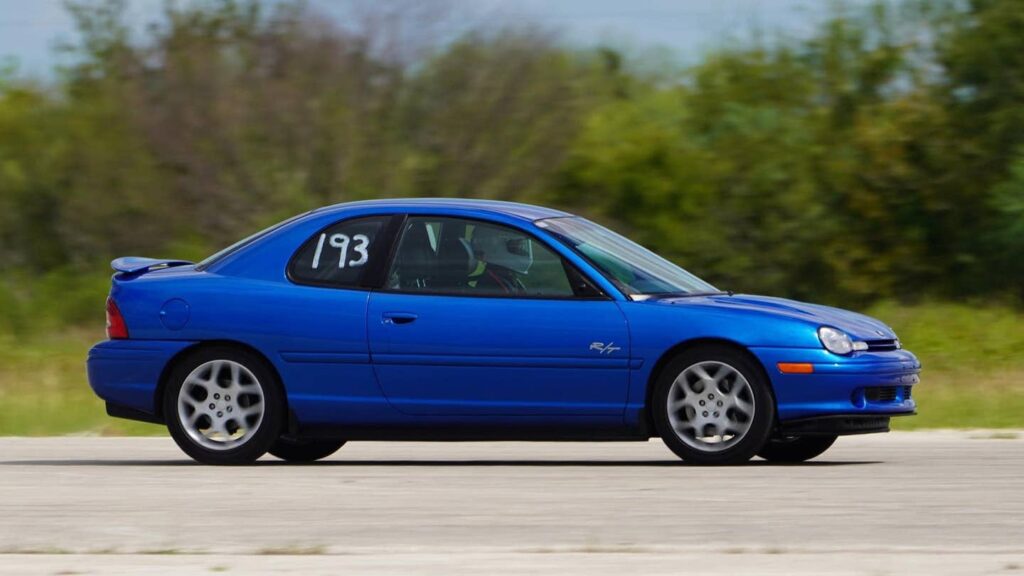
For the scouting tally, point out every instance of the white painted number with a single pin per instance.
(361, 243)
(319, 248)
(341, 242)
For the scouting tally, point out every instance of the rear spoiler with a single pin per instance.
(139, 265)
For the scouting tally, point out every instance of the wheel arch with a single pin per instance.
(685, 345)
(165, 374)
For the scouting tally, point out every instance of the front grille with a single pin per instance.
(880, 394)
(882, 345)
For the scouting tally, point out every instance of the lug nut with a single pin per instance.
(701, 402)
(220, 414)
(228, 398)
(716, 414)
(705, 413)
(711, 396)
(216, 396)
(719, 402)
(212, 405)
(229, 408)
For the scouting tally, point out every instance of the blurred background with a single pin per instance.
(868, 155)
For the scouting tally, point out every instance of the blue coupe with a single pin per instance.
(453, 319)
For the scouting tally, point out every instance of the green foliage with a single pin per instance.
(826, 169)
(52, 301)
(880, 157)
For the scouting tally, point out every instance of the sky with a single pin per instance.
(29, 29)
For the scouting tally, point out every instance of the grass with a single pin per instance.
(973, 364)
(973, 374)
(44, 391)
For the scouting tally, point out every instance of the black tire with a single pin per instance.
(794, 449)
(744, 446)
(264, 433)
(299, 450)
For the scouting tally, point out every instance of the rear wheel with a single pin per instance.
(794, 449)
(298, 450)
(712, 405)
(223, 406)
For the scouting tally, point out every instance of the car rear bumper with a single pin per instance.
(849, 390)
(126, 373)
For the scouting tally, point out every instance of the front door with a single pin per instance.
(483, 319)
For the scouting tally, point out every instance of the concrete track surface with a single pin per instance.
(900, 503)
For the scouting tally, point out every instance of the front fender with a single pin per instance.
(656, 330)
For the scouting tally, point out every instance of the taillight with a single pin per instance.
(116, 328)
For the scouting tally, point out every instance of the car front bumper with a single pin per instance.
(843, 391)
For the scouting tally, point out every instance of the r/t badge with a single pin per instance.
(603, 348)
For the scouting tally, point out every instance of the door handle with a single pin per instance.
(398, 317)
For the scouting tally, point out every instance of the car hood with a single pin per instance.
(858, 326)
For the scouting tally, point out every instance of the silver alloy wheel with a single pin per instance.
(220, 405)
(710, 406)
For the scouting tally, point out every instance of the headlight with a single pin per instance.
(835, 341)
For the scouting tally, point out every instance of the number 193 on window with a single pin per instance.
(343, 242)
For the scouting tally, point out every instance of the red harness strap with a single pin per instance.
(505, 285)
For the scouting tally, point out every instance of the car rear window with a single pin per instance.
(340, 255)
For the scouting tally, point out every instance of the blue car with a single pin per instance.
(444, 319)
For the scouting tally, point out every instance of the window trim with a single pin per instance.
(566, 264)
(375, 271)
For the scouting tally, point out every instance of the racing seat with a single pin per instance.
(416, 262)
(455, 261)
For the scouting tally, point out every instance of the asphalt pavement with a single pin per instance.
(899, 503)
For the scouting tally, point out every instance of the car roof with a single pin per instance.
(514, 209)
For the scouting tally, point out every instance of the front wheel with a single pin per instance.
(712, 405)
(298, 450)
(793, 449)
(223, 406)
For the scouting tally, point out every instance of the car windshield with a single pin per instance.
(635, 270)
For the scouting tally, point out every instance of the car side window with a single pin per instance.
(339, 255)
(459, 256)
